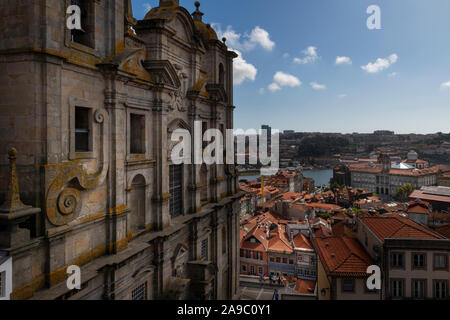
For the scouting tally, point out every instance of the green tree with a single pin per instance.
(405, 191)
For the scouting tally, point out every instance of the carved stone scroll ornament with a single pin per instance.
(66, 180)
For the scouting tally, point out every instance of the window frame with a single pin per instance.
(140, 289)
(343, 280)
(75, 103)
(424, 281)
(204, 249)
(425, 256)
(435, 281)
(143, 129)
(446, 267)
(179, 189)
(402, 267)
(402, 282)
(260, 271)
(2, 284)
(83, 46)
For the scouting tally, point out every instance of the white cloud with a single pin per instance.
(246, 42)
(317, 86)
(445, 85)
(380, 64)
(274, 87)
(261, 37)
(147, 6)
(310, 55)
(243, 70)
(282, 79)
(342, 96)
(343, 60)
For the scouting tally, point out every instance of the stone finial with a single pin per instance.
(224, 40)
(130, 21)
(197, 15)
(12, 201)
(13, 212)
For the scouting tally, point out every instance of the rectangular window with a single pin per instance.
(348, 285)
(440, 262)
(204, 129)
(82, 129)
(242, 253)
(278, 259)
(260, 270)
(397, 260)
(2, 284)
(418, 289)
(285, 260)
(137, 134)
(397, 288)
(204, 250)
(259, 256)
(272, 260)
(440, 289)
(224, 240)
(252, 270)
(140, 293)
(291, 261)
(243, 268)
(176, 191)
(419, 260)
(86, 35)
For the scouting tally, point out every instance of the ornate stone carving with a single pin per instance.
(67, 180)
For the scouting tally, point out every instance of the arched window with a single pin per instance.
(221, 74)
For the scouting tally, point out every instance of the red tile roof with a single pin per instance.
(398, 228)
(324, 206)
(305, 286)
(302, 242)
(342, 256)
(418, 194)
(418, 207)
(444, 231)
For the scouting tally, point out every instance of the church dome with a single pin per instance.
(206, 31)
(166, 10)
(412, 155)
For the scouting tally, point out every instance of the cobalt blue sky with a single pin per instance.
(290, 77)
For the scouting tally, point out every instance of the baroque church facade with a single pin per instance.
(86, 177)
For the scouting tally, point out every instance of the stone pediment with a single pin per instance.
(162, 72)
(130, 60)
(180, 251)
(217, 92)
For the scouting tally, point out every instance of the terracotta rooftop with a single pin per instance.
(342, 256)
(444, 231)
(398, 228)
(419, 194)
(302, 242)
(324, 206)
(305, 286)
(418, 207)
